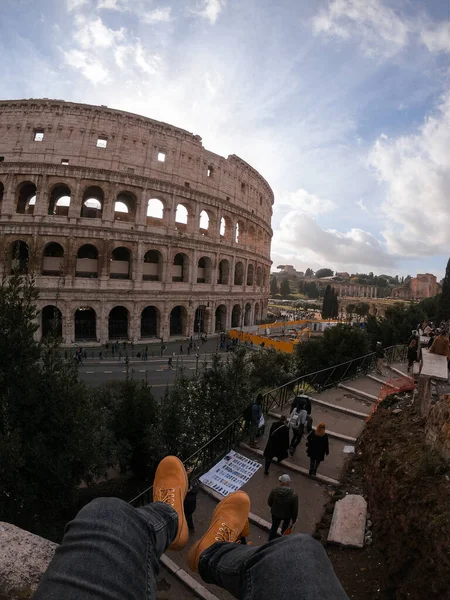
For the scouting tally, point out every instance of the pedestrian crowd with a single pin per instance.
(436, 341)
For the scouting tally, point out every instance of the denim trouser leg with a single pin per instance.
(110, 551)
(294, 566)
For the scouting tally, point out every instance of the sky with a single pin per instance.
(342, 105)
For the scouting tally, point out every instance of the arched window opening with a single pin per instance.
(155, 211)
(225, 228)
(178, 321)
(180, 270)
(85, 324)
(204, 268)
(118, 323)
(221, 318)
(125, 207)
(204, 222)
(223, 276)
(239, 274)
(59, 202)
(181, 217)
(237, 234)
(87, 261)
(248, 315)
(26, 199)
(258, 276)
(51, 320)
(20, 257)
(251, 237)
(250, 272)
(2, 191)
(150, 322)
(257, 314)
(53, 259)
(120, 263)
(264, 282)
(236, 316)
(200, 325)
(152, 266)
(92, 206)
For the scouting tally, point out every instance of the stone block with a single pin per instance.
(349, 522)
(24, 557)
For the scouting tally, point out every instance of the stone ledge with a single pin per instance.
(358, 393)
(191, 583)
(349, 522)
(342, 409)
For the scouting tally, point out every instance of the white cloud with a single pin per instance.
(361, 205)
(94, 34)
(415, 170)
(91, 68)
(301, 236)
(304, 202)
(120, 5)
(210, 9)
(158, 15)
(381, 31)
(75, 4)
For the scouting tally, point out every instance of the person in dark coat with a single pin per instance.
(301, 402)
(317, 447)
(277, 444)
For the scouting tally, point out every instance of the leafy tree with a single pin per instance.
(51, 436)
(443, 312)
(270, 369)
(285, 288)
(350, 309)
(334, 305)
(396, 326)
(311, 289)
(327, 306)
(273, 286)
(362, 309)
(324, 273)
(309, 273)
(430, 307)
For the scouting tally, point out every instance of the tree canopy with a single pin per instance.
(324, 273)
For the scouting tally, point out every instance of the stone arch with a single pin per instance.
(236, 316)
(178, 321)
(223, 275)
(150, 322)
(92, 203)
(180, 267)
(85, 319)
(87, 261)
(225, 227)
(19, 255)
(201, 319)
(51, 321)
(120, 263)
(258, 276)
(181, 217)
(52, 259)
(204, 222)
(239, 273)
(26, 198)
(59, 202)
(257, 313)
(152, 270)
(204, 270)
(250, 274)
(221, 318)
(2, 191)
(155, 211)
(247, 314)
(118, 321)
(251, 236)
(240, 233)
(125, 207)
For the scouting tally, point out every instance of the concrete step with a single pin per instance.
(358, 392)
(381, 381)
(333, 434)
(343, 409)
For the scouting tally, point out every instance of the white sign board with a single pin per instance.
(230, 474)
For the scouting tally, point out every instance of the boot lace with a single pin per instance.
(225, 534)
(167, 496)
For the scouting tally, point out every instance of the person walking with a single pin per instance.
(297, 422)
(301, 402)
(169, 363)
(412, 354)
(440, 345)
(277, 444)
(379, 353)
(317, 447)
(254, 419)
(283, 502)
(112, 549)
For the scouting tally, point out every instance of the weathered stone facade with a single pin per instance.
(133, 229)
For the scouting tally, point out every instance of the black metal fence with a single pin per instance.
(216, 448)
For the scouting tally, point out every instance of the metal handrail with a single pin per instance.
(218, 446)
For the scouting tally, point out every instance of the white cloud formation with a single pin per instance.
(75, 4)
(210, 9)
(415, 170)
(158, 15)
(120, 5)
(304, 202)
(361, 205)
(302, 238)
(381, 31)
(91, 68)
(94, 34)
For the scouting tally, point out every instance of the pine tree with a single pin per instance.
(285, 288)
(273, 286)
(335, 305)
(327, 305)
(443, 313)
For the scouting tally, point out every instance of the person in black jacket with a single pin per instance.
(301, 402)
(277, 444)
(317, 447)
(283, 504)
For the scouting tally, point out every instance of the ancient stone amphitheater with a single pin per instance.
(132, 228)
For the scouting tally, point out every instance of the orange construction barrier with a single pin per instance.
(393, 386)
(258, 340)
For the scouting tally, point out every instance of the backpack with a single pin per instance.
(293, 420)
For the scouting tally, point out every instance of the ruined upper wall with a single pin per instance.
(133, 143)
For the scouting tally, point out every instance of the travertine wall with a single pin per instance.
(53, 151)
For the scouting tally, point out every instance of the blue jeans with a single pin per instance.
(111, 551)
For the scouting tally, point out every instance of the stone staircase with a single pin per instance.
(344, 410)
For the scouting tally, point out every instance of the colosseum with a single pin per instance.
(132, 229)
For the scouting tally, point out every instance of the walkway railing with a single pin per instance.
(217, 447)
